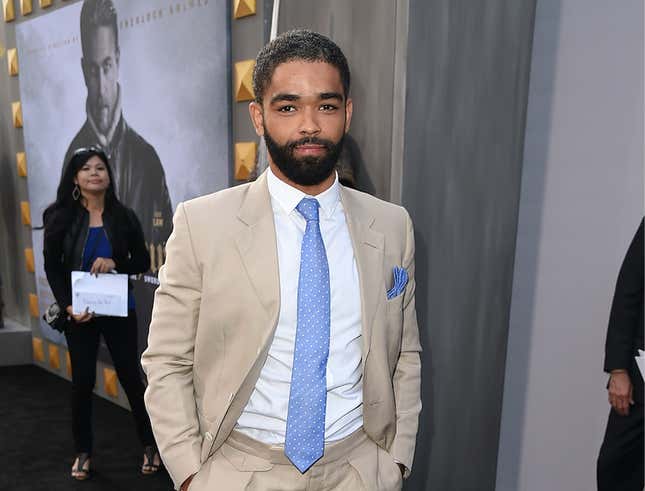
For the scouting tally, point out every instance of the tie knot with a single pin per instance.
(308, 208)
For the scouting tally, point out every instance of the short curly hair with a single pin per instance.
(297, 44)
(95, 14)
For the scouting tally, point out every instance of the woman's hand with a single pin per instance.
(80, 318)
(102, 265)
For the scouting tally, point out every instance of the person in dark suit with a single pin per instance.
(620, 463)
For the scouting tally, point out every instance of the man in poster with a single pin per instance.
(138, 173)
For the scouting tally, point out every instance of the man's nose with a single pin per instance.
(309, 125)
(102, 83)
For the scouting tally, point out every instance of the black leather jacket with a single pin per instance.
(63, 250)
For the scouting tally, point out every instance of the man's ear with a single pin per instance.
(349, 109)
(257, 117)
(84, 69)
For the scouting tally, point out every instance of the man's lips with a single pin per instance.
(310, 148)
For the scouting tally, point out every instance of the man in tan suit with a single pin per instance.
(284, 350)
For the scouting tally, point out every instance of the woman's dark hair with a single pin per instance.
(60, 213)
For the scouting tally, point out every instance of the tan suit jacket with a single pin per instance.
(216, 310)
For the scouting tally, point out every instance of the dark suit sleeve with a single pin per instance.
(161, 203)
(166, 209)
(626, 308)
(138, 260)
(57, 275)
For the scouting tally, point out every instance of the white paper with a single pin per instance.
(640, 361)
(105, 294)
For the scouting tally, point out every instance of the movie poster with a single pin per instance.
(151, 88)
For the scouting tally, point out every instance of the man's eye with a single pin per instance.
(286, 109)
(328, 107)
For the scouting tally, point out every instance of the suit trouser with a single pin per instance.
(120, 335)
(352, 464)
(620, 463)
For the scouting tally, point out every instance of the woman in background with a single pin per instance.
(88, 229)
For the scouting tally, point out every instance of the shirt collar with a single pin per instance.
(288, 197)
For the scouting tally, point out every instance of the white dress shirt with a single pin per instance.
(265, 416)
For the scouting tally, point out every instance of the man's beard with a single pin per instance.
(102, 116)
(306, 171)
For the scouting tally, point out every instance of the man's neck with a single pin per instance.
(313, 190)
(105, 136)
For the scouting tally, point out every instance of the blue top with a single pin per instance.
(98, 245)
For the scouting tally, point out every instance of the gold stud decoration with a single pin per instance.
(245, 154)
(54, 357)
(33, 306)
(243, 8)
(16, 114)
(8, 10)
(25, 212)
(26, 7)
(68, 364)
(110, 382)
(39, 349)
(29, 260)
(21, 162)
(244, 80)
(12, 61)
(45, 3)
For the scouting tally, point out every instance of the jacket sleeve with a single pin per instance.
(57, 275)
(168, 360)
(626, 308)
(166, 208)
(407, 374)
(138, 259)
(161, 203)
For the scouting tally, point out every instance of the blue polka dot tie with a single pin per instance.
(305, 438)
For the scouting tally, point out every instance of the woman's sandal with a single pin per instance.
(150, 456)
(81, 467)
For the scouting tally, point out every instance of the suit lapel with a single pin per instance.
(256, 244)
(368, 247)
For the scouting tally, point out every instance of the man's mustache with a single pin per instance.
(311, 140)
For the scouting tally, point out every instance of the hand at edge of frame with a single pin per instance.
(620, 392)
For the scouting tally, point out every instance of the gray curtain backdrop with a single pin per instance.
(467, 71)
(365, 31)
(467, 85)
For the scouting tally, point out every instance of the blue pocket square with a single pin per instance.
(400, 280)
